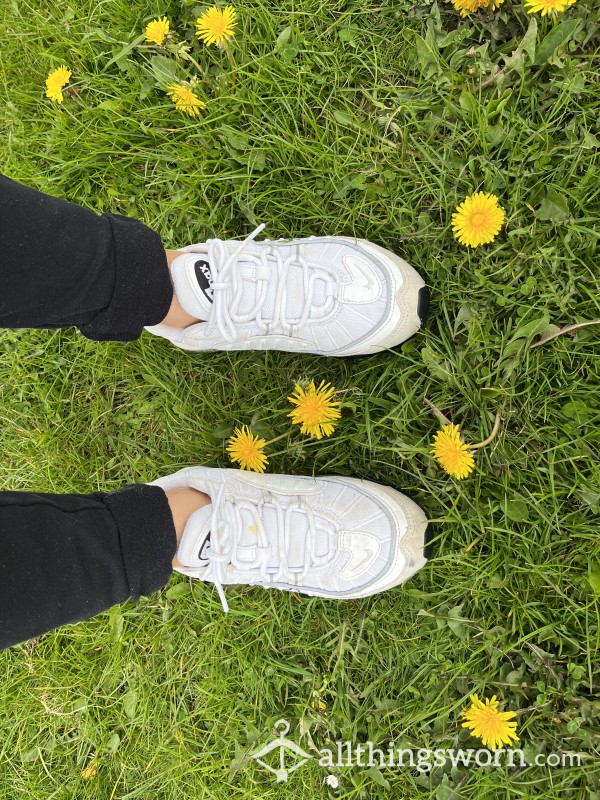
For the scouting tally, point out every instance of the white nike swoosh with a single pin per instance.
(363, 550)
(357, 566)
(364, 286)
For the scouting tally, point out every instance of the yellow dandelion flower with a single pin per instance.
(55, 82)
(466, 6)
(471, 6)
(89, 772)
(247, 450)
(547, 6)
(452, 453)
(315, 412)
(216, 26)
(185, 100)
(157, 30)
(488, 724)
(478, 219)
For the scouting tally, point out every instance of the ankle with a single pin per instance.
(183, 502)
(176, 316)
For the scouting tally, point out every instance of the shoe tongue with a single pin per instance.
(204, 278)
(195, 543)
(193, 280)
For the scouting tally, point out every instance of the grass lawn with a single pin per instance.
(342, 117)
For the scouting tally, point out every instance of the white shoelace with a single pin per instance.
(228, 288)
(225, 533)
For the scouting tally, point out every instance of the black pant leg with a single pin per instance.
(65, 558)
(63, 265)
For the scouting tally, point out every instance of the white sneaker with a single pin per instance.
(328, 537)
(333, 296)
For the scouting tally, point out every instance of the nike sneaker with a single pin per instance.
(333, 537)
(329, 295)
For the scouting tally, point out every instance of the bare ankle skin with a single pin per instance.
(183, 502)
(177, 317)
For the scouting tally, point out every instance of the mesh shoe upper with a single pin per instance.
(324, 292)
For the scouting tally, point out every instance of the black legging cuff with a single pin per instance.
(147, 536)
(66, 558)
(142, 291)
(62, 265)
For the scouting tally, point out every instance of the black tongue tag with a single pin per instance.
(204, 278)
(202, 555)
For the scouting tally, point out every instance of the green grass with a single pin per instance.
(338, 121)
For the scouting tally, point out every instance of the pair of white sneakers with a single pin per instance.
(332, 296)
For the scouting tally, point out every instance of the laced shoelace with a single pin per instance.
(228, 288)
(226, 528)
